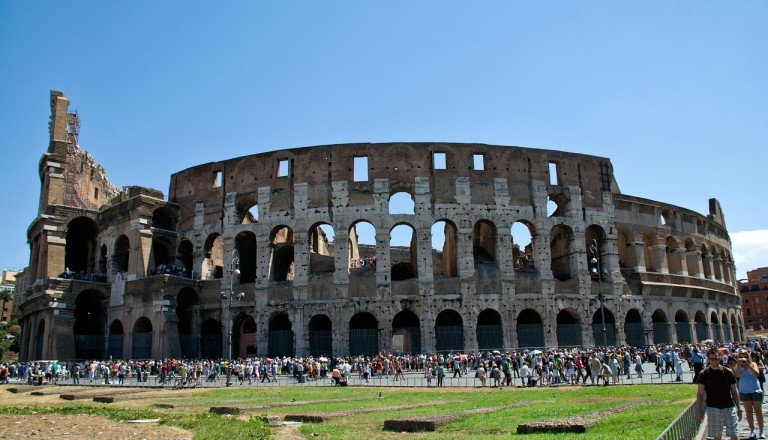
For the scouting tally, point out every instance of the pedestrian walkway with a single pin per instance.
(744, 426)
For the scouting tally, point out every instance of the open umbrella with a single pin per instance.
(322, 359)
(535, 351)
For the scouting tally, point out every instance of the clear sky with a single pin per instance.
(674, 93)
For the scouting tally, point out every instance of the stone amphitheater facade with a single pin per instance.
(272, 246)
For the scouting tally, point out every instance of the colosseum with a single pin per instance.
(359, 248)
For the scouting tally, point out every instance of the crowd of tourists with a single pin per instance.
(524, 368)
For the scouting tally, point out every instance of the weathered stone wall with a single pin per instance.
(662, 266)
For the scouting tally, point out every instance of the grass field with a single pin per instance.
(627, 412)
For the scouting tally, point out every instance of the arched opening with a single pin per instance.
(449, 332)
(691, 258)
(727, 264)
(530, 329)
(403, 253)
(244, 337)
(650, 252)
(702, 330)
(627, 258)
(484, 244)
(561, 251)
(660, 327)
(161, 260)
(142, 339)
(444, 254)
(406, 333)
(666, 217)
(363, 335)
(210, 339)
(90, 323)
(551, 207)
(633, 329)
(282, 267)
(401, 203)
(185, 259)
(39, 338)
(213, 263)
(522, 245)
(674, 262)
(164, 218)
(249, 211)
(280, 336)
(604, 329)
(121, 255)
(490, 335)
(103, 257)
(321, 256)
(727, 334)
(735, 333)
(245, 243)
(717, 331)
(706, 260)
(320, 336)
(362, 246)
(717, 265)
(115, 341)
(186, 309)
(557, 205)
(80, 249)
(569, 332)
(595, 245)
(683, 327)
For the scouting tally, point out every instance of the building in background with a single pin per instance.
(754, 299)
(8, 284)
(299, 251)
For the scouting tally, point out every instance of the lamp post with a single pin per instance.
(597, 272)
(234, 269)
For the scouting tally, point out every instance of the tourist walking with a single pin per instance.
(718, 383)
(750, 393)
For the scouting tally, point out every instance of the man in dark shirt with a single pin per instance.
(719, 385)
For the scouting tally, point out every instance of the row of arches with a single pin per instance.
(675, 256)
(489, 250)
(366, 333)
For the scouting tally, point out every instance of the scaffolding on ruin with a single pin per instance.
(73, 162)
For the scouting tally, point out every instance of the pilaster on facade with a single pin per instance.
(660, 252)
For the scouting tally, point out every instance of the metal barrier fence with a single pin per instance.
(684, 427)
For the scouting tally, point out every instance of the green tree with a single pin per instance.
(10, 332)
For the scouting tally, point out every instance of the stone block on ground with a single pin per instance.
(411, 425)
(230, 410)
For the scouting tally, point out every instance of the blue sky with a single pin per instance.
(674, 93)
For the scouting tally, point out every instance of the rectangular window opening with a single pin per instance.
(438, 161)
(553, 178)
(361, 169)
(96, 193)
(478, 162)
(282, 168)
(217, 179)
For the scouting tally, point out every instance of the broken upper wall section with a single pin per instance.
(70, 176)
(358, 166)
